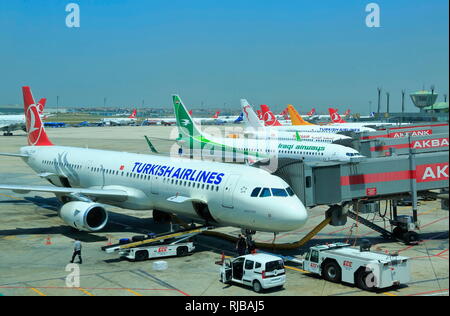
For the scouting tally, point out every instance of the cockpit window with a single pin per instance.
(351, 154)
(265, 193)
(279, 192)
(255, 192)
(289, 191)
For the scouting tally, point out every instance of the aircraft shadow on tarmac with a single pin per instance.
(121, 223)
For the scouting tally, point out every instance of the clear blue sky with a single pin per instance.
(308, 53)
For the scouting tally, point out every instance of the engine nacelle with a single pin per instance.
(84, 216)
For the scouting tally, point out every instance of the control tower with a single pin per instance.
(423, 99)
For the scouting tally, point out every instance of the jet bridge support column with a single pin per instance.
(338, 214)
(412, 162)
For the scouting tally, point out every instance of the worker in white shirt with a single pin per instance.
(76, 251)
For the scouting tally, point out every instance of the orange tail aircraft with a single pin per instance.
(295, 117)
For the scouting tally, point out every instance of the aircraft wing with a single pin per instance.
(14, 155)
(101, 193)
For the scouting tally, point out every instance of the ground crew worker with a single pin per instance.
(76, 251)
(241, 245)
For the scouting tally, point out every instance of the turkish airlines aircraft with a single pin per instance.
(216, 193)
(10, 123)
(121, 121)
(308, 127)
(256, 129)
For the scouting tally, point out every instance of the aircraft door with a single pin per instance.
(227, 197)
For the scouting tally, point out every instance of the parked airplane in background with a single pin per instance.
(10, 123)
(256, 129)
(308, 127)
(252, 150)
(173, 121)
(338, 121)
(216, 193)
(132, 119)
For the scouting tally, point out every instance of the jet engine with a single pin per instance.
(84, 216)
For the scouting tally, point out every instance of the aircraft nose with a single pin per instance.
(296, 215)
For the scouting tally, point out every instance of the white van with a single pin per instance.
(260, 271)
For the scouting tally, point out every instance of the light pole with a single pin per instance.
(403, 101)
(387, 102)
(379, 101)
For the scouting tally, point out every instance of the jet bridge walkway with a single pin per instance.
(406, 165)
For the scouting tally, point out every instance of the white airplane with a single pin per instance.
(253, 150)
(121, 121)
(270, 120)
(216, 193)
(256, 129)
(10, 123)
(172, 121)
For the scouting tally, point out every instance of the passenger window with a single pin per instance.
(315, 256)
(256, 192)
(257, 265)
(249, 265)
(265, 193)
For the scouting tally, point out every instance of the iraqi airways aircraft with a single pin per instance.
(253, 150)
(256, 129)
(10, 123)
(86, 180)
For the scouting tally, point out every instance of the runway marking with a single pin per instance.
(38, 292)
(437, 292)
(135, 293)
(389, 294)
(12, 197)
(85, 292)
(296, 269)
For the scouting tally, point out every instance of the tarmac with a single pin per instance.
(36, 245)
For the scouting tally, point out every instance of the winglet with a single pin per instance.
(150, 145)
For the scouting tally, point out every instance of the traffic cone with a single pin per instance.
(222, 259)
(48, 240)
(109, 243)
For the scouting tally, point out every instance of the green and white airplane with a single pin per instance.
(249, 150)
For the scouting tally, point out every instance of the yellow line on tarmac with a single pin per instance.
(38, 292)
(430, 211)
(296, 269)
(389, 294)
(85, 292)
(10, 196)
(135, 293)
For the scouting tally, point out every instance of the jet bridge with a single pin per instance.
(411, 170)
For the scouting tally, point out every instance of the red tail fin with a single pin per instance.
(268, 117)
(133, 114)
(216, 115)
(335, 117)
(35, 128)
(312, 112)
(41, 105)
(259, 112)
